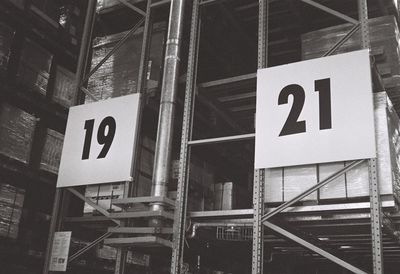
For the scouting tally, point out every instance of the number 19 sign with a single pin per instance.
(99, 142)
(315, 111)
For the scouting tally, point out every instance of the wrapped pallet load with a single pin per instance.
(384, 36)
(119, 74)
(6, 36)
(34, 67)
(16, 132)
(11, 203)
(64, 91)
(51, 154)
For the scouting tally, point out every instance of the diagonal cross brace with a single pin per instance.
(311, 190)
(132, 7)
(314, 248)
(92, 204)
(343, 40)
(331, 11)
(89, 246)
(113, 50)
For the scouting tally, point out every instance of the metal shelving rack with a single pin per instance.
(62, 195)
(257, 217)
(258, 214)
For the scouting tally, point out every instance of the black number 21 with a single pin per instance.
(292, 125)
(102, 138)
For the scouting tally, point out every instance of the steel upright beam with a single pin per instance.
(375, 201)
(55, 221)
(120, 262)
(183, 181)
(259, 174)
(169, 91)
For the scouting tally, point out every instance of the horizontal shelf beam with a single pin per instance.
(142, 214)
(141, 230)
(144, 200)
(147, 241)
(241, 137)
(251, 76)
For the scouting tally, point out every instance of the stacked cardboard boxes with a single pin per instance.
(110, 253)
(229, 195)
(34, 67)
(11, 203)
(102, 195)
(118, 76)
(16, 132)
(51, 154)
(205, 194)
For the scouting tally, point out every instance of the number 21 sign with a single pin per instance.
(99, 142)
(315, 111)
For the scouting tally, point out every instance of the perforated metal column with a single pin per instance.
(182, 191)
(375, 201)
(259, 174)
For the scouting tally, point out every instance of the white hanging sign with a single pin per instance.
(315, 111)
(99, 142)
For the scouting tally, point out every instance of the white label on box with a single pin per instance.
(315, 111)
(99, 142)
(59, 251)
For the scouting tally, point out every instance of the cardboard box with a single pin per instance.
(229, 195)
(64, 91)
(296, 179)
(102, 196)
(273, 185)
(335, 189)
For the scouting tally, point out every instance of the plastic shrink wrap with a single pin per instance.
(64, 91)
(16, 132)
(11, 203)
(51, 154)
(119, 74)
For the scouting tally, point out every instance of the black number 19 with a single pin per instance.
(103, 138)
(292, 125)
